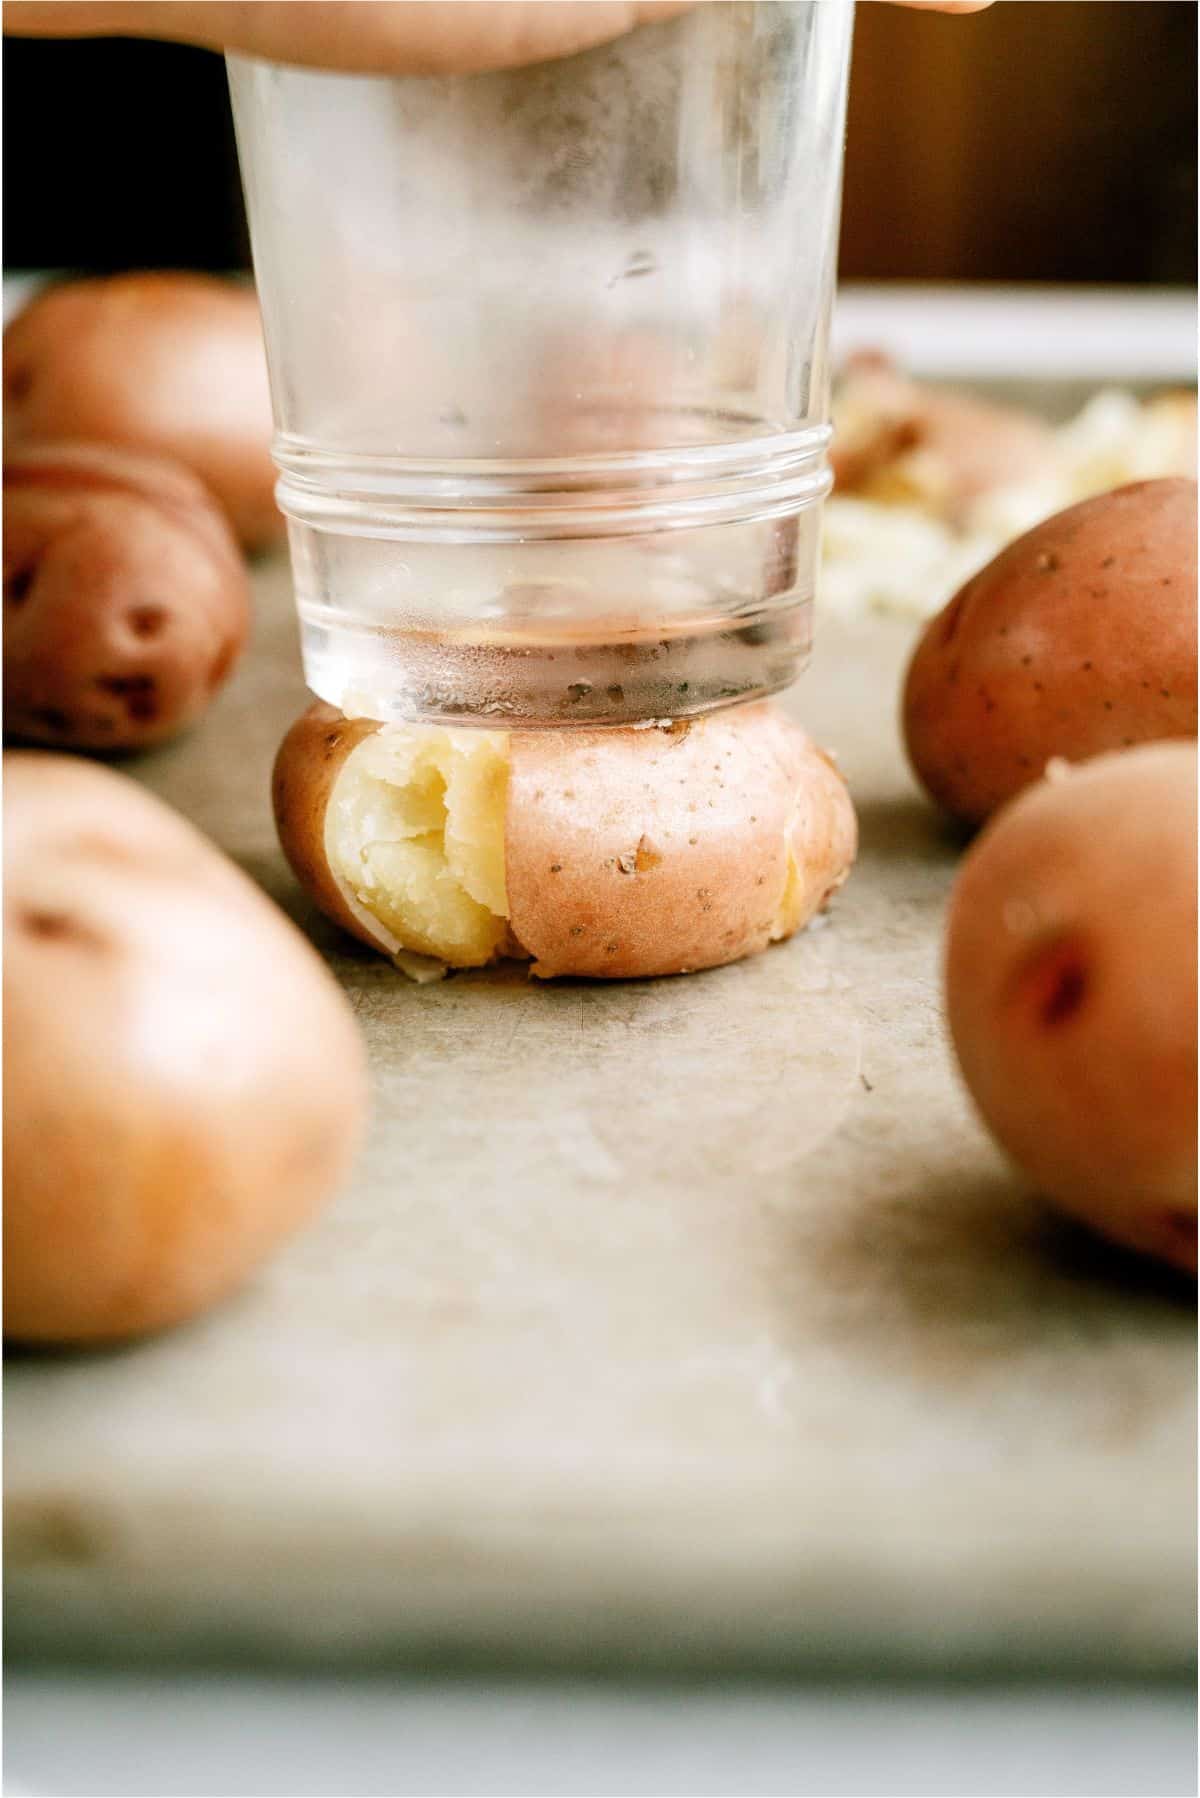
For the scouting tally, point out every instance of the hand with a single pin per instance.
(392, 36)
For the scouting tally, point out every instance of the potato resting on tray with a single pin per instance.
(164, 363)
(126, 603)
(184, 1083)
(610, 853)
(1078, 638)
(1071, 991)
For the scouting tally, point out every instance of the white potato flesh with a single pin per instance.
(415, 830)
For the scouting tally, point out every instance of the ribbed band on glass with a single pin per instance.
(466, 501)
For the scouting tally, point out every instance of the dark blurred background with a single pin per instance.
(1048, 140)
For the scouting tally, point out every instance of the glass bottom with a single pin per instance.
(601, 591)
(675, 669)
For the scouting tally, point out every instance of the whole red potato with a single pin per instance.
(1078, 638)
(1071, 991)
(172, 364)
(126, 600)
(184, 1084)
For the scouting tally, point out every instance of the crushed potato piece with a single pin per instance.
(895, 552)
(415, 829)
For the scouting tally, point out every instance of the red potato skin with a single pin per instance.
(168, 364)
(627, 853)
(1078, 638)
(1070, 984)
(662, 852)
(307, 765)
(126, 600)
(184, 1084)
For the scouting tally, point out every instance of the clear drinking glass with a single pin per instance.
(548, 351)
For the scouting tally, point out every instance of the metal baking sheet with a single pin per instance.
(690, 1322)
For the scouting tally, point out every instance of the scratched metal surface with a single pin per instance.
(691, 1322)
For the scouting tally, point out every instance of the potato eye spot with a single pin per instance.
(1053, 983)
(136, 691)
(51, 718)
(18, 381)
(1067, 995)
(18, 585)
(59, 927)
(147, 621)
(45, 923)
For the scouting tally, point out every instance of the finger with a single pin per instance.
(389, 36)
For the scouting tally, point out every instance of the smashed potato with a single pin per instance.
(611, 853)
